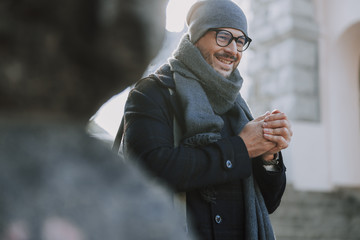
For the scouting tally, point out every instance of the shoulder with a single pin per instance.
(153, 90)
(162, 78)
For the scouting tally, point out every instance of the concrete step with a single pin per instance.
(318, 215)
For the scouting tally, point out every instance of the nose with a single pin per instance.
(232, 48)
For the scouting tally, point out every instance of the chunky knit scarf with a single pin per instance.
(204, 95)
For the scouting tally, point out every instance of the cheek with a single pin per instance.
(239, 56)
(206, 47)
(239, 59)
(206, 54)
(208, 57)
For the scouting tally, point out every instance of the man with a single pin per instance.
(229, 165)
(60, 60)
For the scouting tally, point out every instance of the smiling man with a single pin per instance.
(189, 126)
(225, 55)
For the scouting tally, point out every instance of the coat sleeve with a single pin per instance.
(148, 138)
(272, 184)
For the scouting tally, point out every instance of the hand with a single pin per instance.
(277, 129)
(253, 137)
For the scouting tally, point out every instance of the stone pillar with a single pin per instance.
(282, 63)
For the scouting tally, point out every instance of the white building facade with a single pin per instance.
(305, 61)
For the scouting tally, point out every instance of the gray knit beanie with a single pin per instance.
(207, 14)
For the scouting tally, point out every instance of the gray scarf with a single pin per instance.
(204, 95)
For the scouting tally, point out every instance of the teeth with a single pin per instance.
(224, 61)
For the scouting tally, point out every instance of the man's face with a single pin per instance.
(223, 59)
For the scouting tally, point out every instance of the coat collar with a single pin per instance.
(164, 76)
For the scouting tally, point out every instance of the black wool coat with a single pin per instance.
(210, 175)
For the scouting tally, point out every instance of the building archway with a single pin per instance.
(344, 107)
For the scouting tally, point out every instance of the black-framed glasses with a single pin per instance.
(224, 38)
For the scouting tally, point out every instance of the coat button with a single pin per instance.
(218, 219)
(228, 164)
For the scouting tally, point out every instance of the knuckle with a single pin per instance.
(283, 131)
(288, 133)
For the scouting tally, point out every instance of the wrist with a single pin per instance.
(271, 159)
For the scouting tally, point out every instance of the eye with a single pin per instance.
(241, 41)
(224, 36)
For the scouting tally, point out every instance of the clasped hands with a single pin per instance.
(267, 135)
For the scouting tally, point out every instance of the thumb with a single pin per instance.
(262, 117)
(275, 111)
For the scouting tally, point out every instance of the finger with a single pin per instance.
(262, 117)
(277, 124)
(275, 111)
(284, 132)
(290, 130)
(268, 156)
(275, 116)
(281, 142)
(274, 150)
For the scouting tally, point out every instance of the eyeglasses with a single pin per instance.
(224, 38)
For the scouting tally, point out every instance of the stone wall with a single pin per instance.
(283, 60)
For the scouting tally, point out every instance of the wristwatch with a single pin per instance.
(274, 161)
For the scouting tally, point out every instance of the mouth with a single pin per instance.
(227, 62)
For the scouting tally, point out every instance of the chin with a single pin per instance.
(223, 73)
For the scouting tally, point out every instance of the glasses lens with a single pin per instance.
(243, 43)
(240, 43)
(223, 38)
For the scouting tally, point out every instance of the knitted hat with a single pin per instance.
(207, 14)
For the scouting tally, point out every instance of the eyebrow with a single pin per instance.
(219, 29)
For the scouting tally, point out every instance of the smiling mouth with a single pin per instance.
(225, 61)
